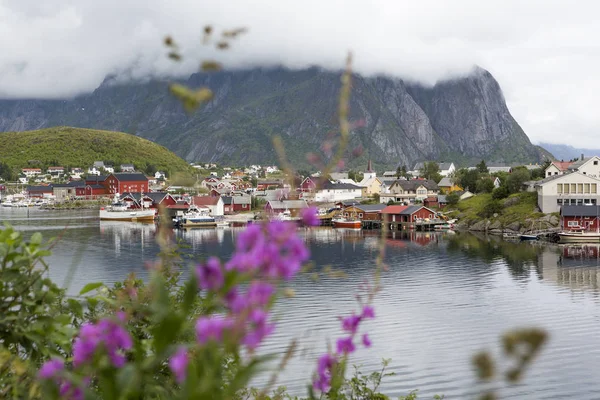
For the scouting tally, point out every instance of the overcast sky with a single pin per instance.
(545, 54)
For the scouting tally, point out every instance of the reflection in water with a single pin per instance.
(443, 297)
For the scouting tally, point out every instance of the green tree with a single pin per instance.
(500, 193)
(431, 170)
(517, 177)
(485, 185)
(467, 179)
(401, 172)
(482, 167)
(6, 172)
(452, 199)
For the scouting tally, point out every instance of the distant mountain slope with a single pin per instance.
(566, 152)
(76, 147)
(463, 120)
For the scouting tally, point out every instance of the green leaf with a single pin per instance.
(90, 286)
(36, 238)
(76, 307)
(190, 294)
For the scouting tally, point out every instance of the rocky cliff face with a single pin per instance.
(460, 120)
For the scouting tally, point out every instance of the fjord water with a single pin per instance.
(443, 298)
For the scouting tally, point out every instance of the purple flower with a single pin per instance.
(309, 216)
(350, 324)
(366, 341)
(345, 345)
(211, 328)
(368, 312)
(260, 293)
(106, 333)
(258, 330)
(69, 392)
(324, 367)
(51, 368)
(274, 251)
(179, 363)
(210, 274)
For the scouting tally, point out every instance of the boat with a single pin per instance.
(284, 215)
(119, 211)
(342, 222)
(579, 236)
(443, 227)
(195, 217)
(525, 237)
(7, 203)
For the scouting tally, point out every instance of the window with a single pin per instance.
(559, 188)
(573, 188)
(360, 215)
(585, 173)
(587, 201)
(580, 188)
(244, 205)
(549, 173)
(593, 188)
(566, 188)
(579, 202)
(573, 223)
(586, 188)
(559, 202)
(595, 162)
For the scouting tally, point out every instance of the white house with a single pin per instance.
(94, 171)
(446, 168)
(272, 169)
(409, 191)
(213, 203)
(127, 168)
(333, 192)
(575, 188)
(109, 168)
(30, 172)
(369, 173)
(557, 168)
(159, 175)
(587, 166)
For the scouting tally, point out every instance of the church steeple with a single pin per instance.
(369, 166)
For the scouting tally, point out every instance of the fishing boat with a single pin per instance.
(195, 217)
(119, 211)
(7, 203)
(342, 222)
(579, 236)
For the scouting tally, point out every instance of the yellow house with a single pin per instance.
(447, 186)
(370, 186)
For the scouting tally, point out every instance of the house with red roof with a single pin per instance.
(557, 168)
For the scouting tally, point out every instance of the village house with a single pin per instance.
(332, 192)
(445, 168)
(94, 171)
(574, 188)
(389, 174)
(447, 185)
(498, 168)
(336, 176)
(442, 201)
(122, 182)
(431, 202)
(31, 172)
(410, 191)
(55, 171)
(269, 184)
(587, 166)
(271, 169)
(76, 173)
(160, 175)
(557, 168)
(148, 199)
(578, 217)
(127, 168)
(364, 212)
(109, 168)
(215, 205)
(370, 183)
(64, 192)
(407, 214)
(237, 202)
(274, 207)
(39, 191)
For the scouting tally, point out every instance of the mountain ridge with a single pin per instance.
(460, 120)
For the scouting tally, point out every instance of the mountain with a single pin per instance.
(566, 152)
(461, 120)
(77, 147)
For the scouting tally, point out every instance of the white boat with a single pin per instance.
(195, 218)
(579, 236)
(7, 203)
(284, 216)
(121, 212)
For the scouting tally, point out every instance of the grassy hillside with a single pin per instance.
(77, 147)
(518, 207)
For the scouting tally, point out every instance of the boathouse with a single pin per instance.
(364, 212)
(577, 217)
(294, 206)
(403, 217)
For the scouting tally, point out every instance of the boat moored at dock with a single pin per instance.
(119, 211)
(579, 236)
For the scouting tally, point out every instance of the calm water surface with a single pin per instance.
(444, 297)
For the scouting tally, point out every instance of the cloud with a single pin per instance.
(544, 53)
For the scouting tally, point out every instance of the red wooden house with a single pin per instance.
(308, 185)
(266, 185)
(577, 217)
(407, 213)
(126, 182)
(39, 191)
(148, 200)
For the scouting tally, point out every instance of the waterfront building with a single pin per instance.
(575, 188)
